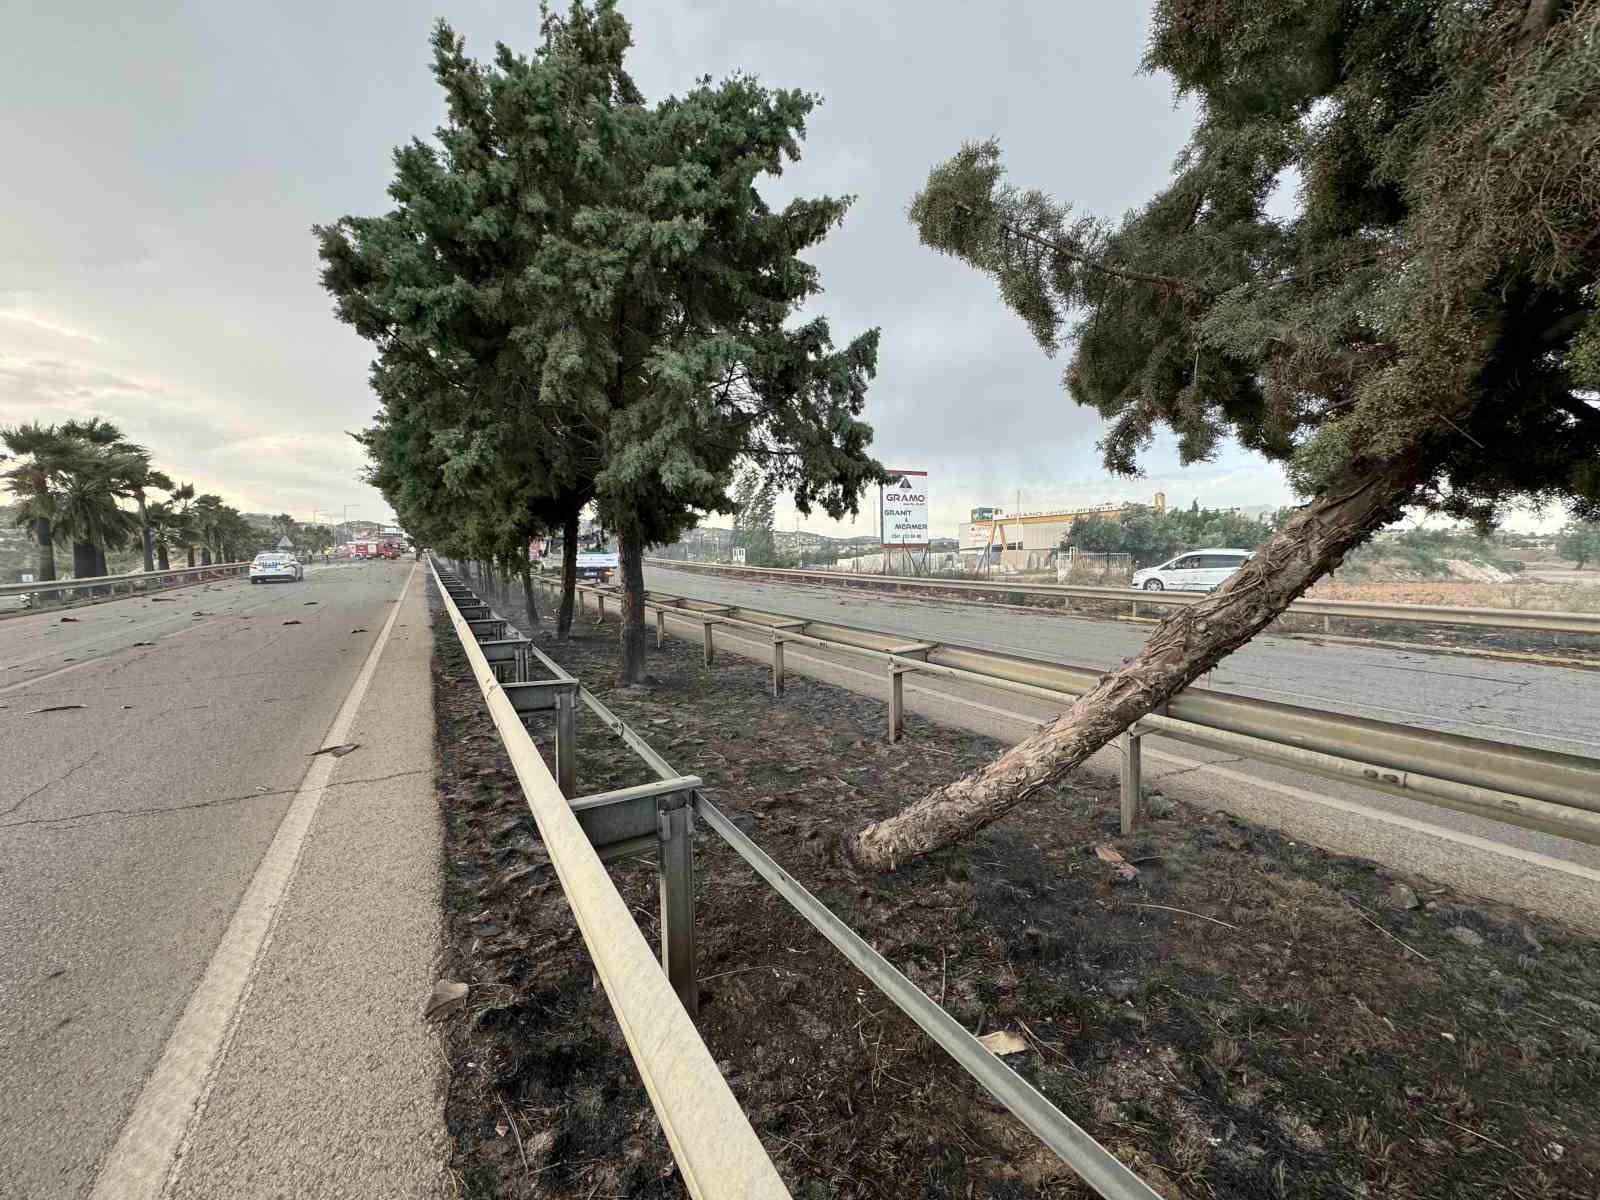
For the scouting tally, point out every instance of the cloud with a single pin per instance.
(156, 264)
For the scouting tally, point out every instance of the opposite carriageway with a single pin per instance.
(1326, 610)
(1544, 790)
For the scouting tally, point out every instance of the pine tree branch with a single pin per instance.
(1076, 255)
(1173, 281)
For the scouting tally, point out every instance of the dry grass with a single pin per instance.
(1547, 597)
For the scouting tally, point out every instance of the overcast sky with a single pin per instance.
(164, 164)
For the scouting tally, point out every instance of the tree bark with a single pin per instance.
(630, 559)
(44, 533)
(1183, 646)
(83, 560)
(205, 556)
(569, 575)
(189, 550)
(529, 603)
(144, 534)
(162, 559)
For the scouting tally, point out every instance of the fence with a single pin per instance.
(142, 581)
(1538, 789)
(716, 1149)
(1424, 614)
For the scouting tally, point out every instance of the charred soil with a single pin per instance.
(1246, 1017)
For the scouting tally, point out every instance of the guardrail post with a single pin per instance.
(600, 608)
(1136, 608)
(897, 701)
(661, 627)
(710, 645)
(567, 741)
(1132, 807)
(777, 652)
(675, 866)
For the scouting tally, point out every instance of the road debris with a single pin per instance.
(1120, 867)
(291, 622)
(448, 996)
(55, 708)
(1003, 1041)
(338, 751)
(1401, 897)
(65, 620)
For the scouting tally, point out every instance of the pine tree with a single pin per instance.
(1423, 332)
(591, 290)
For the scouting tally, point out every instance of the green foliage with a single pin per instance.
(755, 504)
(580, 297)
(1428, 551)
(1152, 537)
(1433, 295)
(1580, 542)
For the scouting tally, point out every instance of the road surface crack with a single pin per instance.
(1221, 762)
(1499, 694)
(48, 784)
(220, 800)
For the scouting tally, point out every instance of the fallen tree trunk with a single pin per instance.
(1185, 645)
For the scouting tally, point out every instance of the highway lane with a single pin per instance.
(1529, 703)
(129, 827)
(1490, 698)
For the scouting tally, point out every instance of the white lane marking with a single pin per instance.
(144, 1163)
(1354, 808)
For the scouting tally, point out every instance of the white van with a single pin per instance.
(1193, 571)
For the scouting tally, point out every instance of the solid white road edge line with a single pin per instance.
(144, 1163)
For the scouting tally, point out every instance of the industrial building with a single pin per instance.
(996, 530)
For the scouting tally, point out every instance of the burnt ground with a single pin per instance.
(1288, 1046)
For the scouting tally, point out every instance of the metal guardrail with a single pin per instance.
(717, 1152)
(1538, 789)
(141, 580)
(1092, 1162)
(1422, 614)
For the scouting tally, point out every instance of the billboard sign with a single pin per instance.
(903, 506)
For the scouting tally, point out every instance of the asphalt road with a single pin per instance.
(130, 826)
(1509, 701)
(1529, 703)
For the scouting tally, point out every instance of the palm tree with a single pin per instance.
(137, 476)
(36, 482)
(99, 438)
(238, 538)
(87, 513)
(172, 525)
(206, 512)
